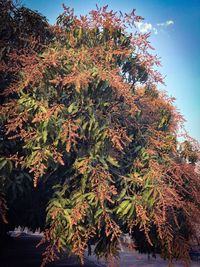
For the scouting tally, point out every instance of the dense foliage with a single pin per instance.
(22, 31)
(85, 123)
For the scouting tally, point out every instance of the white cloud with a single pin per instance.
(169, 22)
(145, 27)
(166, 23)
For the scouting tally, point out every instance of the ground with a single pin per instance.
(21, 251)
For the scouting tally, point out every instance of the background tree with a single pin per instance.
(188, 152)
(90, 123)
(22, 32)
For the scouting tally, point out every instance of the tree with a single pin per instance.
(22, 32)
(189, 152)
(90, 123)
(21, 29)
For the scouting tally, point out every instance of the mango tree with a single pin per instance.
(93, 130)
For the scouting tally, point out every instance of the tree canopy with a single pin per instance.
(84, 123)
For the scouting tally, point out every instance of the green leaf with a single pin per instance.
(44, 135)
(122, 206)
(70, 108)
(3, 162)
(122, 194)
(98, 213)
(126, 210)
(113, 161)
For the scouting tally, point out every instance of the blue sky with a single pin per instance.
(175, 26)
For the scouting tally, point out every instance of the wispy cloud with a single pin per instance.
(145, 27)
(165, 24)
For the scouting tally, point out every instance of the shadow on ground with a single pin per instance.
(22, 252)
